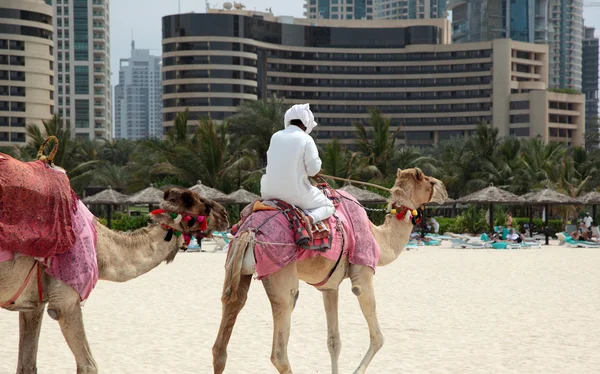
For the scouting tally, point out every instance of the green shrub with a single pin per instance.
(127, 223)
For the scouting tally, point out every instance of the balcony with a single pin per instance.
(99, 36)
(98, 25)
(99, 104)
(99, 83)
(98, 4)
(98, 115)
(99, 60)
(98, 14)
(98, 71)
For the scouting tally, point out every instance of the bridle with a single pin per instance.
(190, 220)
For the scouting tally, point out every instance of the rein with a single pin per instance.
(355, 181)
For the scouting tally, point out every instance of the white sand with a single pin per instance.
(442, 311)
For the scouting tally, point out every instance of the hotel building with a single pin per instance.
(431, 90)
(26, 68)
(82, 57)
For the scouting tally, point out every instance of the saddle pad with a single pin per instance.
(36, 208)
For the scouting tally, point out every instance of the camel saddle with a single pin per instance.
(36, 208)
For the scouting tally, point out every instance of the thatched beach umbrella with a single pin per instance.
(491, 195)
(593, 199)
(148, 196)
(363, 195)
(108, 197)
(242, 196)
(210, 193)
(547, 197)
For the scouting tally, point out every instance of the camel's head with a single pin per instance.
(414, 189)
(191, 214)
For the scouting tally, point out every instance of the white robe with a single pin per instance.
(293, 157)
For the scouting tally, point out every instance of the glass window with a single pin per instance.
(82, 80)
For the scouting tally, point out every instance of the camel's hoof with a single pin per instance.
(53, 314)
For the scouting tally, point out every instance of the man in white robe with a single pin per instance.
(293, 157)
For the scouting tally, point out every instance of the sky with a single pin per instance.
(144, 17)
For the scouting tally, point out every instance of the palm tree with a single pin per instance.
(209, 158)
(180, 132)
(377, 141)
(256, 122)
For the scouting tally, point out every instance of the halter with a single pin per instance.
(191, 220)
(415, 215)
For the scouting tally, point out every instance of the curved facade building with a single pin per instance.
(429, 88)
(26, 67)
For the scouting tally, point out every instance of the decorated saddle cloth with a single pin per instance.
(36, 208)
(275, 238)
(77, 267)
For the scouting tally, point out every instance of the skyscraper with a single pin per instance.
(375, 9)
(82, 55)
(26, 67)
(339, 9)
(521, 20)
(409, 9)
(138, 96)
(566, 38)
(590, 78)
(558, 23)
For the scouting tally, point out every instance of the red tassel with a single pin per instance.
(157, 211)
(400, 216)
(187, 219)
(204, 224)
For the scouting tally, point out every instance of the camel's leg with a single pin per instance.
(30, 324)
(334, 343)
(282, 290)
(228, 318)
(64, 306)
(362, 286)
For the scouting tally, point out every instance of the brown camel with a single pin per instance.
(412, 189)
(121, 257)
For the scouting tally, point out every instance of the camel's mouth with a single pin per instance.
(440, 195)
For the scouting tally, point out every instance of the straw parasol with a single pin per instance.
(108, 197)
(491, 195)
(593, 199)
(147, 196)
(363, 195)
(242, 196)
(210, 193)
(547, 197)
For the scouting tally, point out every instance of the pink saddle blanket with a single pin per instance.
(77, 267)
(275, 242)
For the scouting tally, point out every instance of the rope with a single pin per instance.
(355, 181)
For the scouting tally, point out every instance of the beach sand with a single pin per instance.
(442, 310)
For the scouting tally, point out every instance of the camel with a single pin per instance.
(121, 257)
(411, 191)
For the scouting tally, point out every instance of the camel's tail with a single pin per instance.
(233, 266)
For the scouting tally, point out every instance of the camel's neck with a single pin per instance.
(392, 237)
(125, 256)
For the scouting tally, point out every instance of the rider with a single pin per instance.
(293, 157)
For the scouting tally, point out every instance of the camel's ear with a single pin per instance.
(166, 194)
(188, 199)
(419, 174)
(399, 173)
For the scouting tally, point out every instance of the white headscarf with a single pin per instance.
(303, 113)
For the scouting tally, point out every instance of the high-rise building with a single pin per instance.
(82, 55)
(566, 37)
(521, 20)
(409, 9)
(26, 67)
(430, 89)
(375, 9)
(138, 96)
(339, 9)
(558, 23)
(590, 79)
